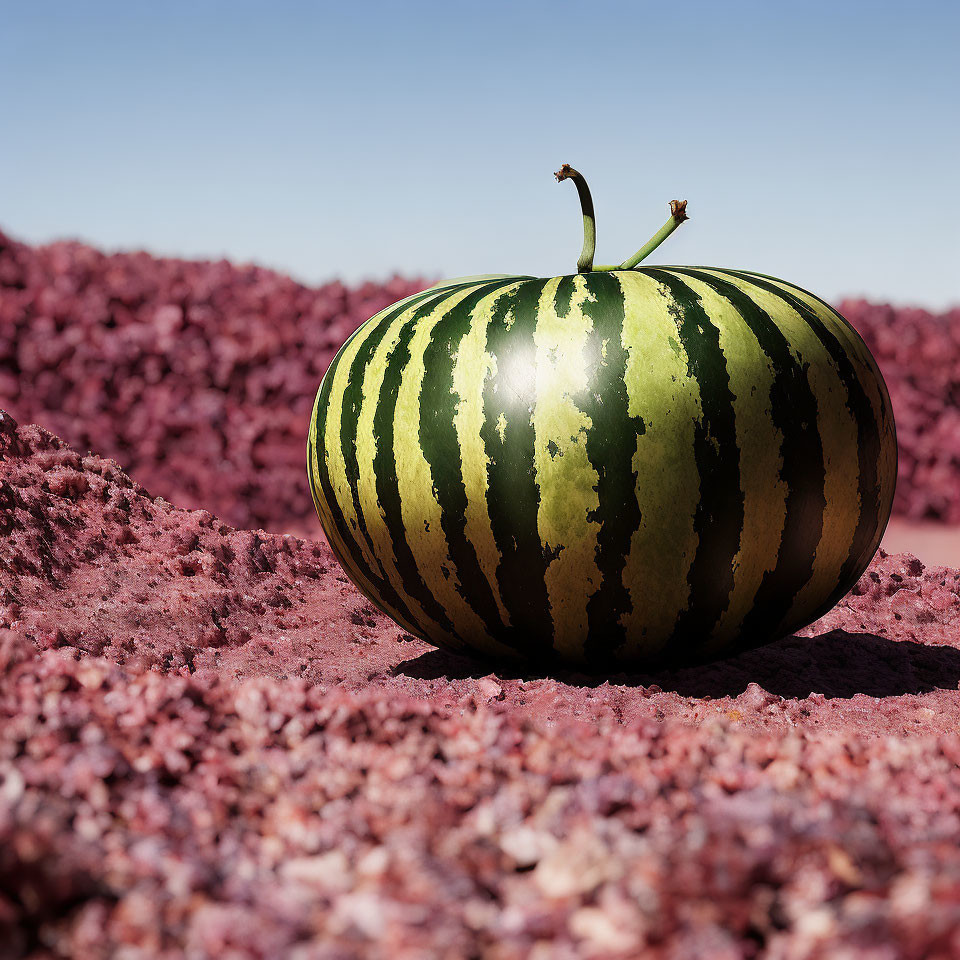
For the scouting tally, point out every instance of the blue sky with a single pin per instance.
(817, 141)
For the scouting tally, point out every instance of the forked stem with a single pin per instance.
(678, 213)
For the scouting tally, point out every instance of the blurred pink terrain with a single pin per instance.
(212, 745)
(198, 378)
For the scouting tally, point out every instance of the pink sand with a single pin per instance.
(212, 745)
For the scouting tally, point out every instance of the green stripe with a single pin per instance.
(513, 494)
(564, 296)
(868, 435)
(438, 441)
(863, 354)
(385, 471)
(718, 519)
(323, 478)
(352, 400)
(793, 410)
(310, 450)
(611, 443)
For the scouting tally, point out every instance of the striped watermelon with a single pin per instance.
(607, 468)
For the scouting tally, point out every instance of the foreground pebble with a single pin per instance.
(212, 746)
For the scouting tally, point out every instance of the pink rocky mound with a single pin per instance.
(199, 377)
(919, 353)
(210, 745)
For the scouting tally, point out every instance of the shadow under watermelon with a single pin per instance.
(837, 664)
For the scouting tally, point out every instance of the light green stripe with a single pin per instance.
(473, 366)
(366, 451)
(668, 484)
(567, 480)
(868, 373)
(420, 509)
(333, 442)
(838, 434)
(764, 493)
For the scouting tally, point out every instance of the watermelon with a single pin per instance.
(612, 468)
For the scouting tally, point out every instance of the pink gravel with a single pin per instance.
(212, 746)
(919, 354)
(198, 377)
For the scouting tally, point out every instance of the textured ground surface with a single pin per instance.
(198, 377)
(210, 745)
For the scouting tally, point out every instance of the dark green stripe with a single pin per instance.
(886, 411)
(718, 518)
(793, 410)
(326, 493)
(564, 296)
(868, 434)
(438, 440)
(349, 418)
(513, 495)
(326, 488)
(611, 444)
(310, 450)
(385, 471)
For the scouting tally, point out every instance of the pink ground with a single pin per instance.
(211, 745)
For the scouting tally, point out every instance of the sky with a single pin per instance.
(818, 142)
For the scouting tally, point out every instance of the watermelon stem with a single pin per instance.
(585, 263)
(678, 213)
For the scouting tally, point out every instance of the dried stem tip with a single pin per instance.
(678, 213)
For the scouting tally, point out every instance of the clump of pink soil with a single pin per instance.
(211, 745)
